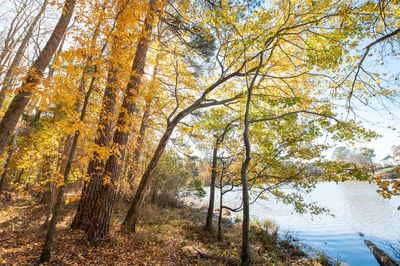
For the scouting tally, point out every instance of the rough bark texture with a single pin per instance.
(210, 211)
(138, 199)
(91, 187)
(92, 184)
(100, 221)
(20, 52)
(19, 102)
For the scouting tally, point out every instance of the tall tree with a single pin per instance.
(32, 79)
(100, 221)
(20, 52)
(245, 255)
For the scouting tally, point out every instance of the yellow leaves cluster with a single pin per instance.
(70, 200)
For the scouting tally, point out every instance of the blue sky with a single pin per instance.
(383, 115)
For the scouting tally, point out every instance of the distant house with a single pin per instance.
(388, 161)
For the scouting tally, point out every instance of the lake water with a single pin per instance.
(360, 213)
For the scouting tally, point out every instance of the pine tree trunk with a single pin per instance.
(92, 184)
(137, 152)
(91, 187)
(19, 102)
(100, 221)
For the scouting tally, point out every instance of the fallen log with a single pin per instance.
(225, 259)
(382, 258)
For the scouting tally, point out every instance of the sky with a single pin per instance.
(382, 116)
(390, 137)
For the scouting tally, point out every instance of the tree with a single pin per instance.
(117, 61)
(32, 79)
(18, 56)
(100, 222)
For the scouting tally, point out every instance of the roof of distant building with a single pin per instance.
(387, 158)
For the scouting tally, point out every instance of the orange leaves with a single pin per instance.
(388, 188)
(74, 198)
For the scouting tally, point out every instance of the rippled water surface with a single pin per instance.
(359, 213)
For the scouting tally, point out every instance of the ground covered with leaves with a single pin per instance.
(164, 237)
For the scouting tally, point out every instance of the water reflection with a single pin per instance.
(358, 209)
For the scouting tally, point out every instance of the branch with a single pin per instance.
(367, 49)
(294, 112)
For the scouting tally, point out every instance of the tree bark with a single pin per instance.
(19, 102)
(91, 187)
(20, 52)
(137, 152)
(9, 40)
(221, 194)
(45, 255)
(245, 254)
(3, 180)
(382, 258)
(46, 196)
(100, 221)
(210, 211)
(137, 201)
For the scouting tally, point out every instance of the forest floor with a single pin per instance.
(164, 237)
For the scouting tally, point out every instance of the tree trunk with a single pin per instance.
(245, 255)
(19, 54)
(210, 211)
(137, 152)
(46, 196)
(19, 177)
(91, 187)
(3, 180)
(9, 42)
(221, 194)
(45, 255)
(137, 201)
(153, 192)
(100, 221)
(19, 102)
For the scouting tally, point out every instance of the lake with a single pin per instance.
(359, 213)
